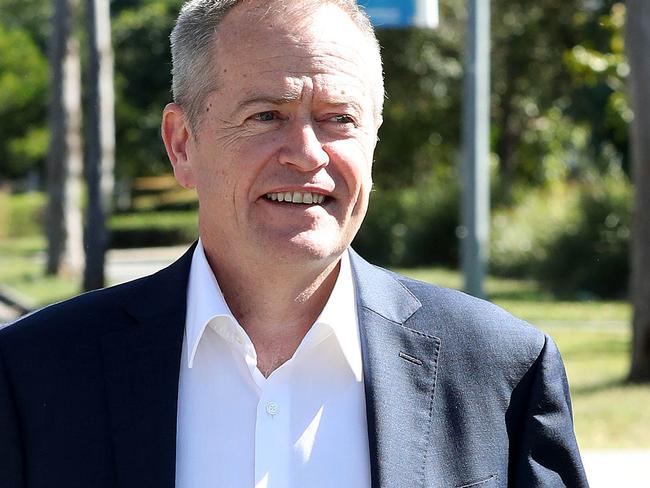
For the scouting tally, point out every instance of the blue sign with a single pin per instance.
(402, 13)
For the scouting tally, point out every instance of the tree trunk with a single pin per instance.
(64, 164)
(100, 140)
(637, 41)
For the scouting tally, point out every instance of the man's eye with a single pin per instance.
(343, 119)
(267, 116)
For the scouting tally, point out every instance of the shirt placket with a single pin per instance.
(273, 447)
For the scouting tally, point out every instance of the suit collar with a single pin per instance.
(400, 365)
(377, 290)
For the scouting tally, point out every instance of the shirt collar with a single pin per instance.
(205, 302)
(339, 317)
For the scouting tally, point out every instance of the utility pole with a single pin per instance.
(474, 231)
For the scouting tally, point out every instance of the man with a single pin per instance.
(271, 355)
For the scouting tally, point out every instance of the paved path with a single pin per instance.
(605, 468)
(617, 468)
(127, 264)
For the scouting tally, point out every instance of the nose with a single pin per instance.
(303, 149)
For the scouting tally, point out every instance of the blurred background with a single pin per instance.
(561, 224)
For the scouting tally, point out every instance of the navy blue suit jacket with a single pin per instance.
(459, 393)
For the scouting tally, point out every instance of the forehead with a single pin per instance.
(261, 46)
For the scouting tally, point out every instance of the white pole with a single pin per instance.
(475, 227)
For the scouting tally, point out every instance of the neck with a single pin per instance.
(276, 307)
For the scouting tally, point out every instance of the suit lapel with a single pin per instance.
(141, 365)
(400, 364)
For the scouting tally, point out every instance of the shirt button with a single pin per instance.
(272, 408)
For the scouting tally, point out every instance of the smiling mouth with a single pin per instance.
(306, 198)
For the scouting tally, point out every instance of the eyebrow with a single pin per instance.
(285, 99)
(282, 100)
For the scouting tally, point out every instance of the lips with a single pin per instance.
(305, 197)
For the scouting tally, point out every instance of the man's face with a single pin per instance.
(282, 158)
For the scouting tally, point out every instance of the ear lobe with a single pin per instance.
(176, 136)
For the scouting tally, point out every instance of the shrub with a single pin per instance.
(593, 256)
(150, 229)
(24, 214)
(413, 226)
(521, 235)
(4, 213)
(573, 237)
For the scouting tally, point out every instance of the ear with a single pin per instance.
(176, 135)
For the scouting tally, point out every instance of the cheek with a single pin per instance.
(354, 166)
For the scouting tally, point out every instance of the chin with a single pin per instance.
(314, 247)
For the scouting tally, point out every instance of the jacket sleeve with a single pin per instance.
(546, 454)
(11, 457)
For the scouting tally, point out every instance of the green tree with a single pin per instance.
(557, 64)
(23, 93)
(143, 81)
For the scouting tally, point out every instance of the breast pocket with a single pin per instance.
(489, 482)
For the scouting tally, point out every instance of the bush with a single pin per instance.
(4, 213)
(574, 238)
(21, 215)
(410, 227)
(521, 235)
(592, 257)
(150, 229)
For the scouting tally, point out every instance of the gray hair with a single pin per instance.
(192, 44)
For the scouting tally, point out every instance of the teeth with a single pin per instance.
(296, 197)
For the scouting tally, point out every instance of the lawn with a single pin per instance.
(593, 337)
(21, 269)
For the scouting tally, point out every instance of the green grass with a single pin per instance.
(22, 269)
(158, 220)
(593, 337)
(608, 412)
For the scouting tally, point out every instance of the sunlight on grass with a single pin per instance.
(608, 412)
(22, 269)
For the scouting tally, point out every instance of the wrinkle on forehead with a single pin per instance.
(299, 89)
(266, 41)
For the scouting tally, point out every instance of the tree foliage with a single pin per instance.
(143, 81)
(23, 93)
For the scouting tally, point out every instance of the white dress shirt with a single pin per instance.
(303, 426)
